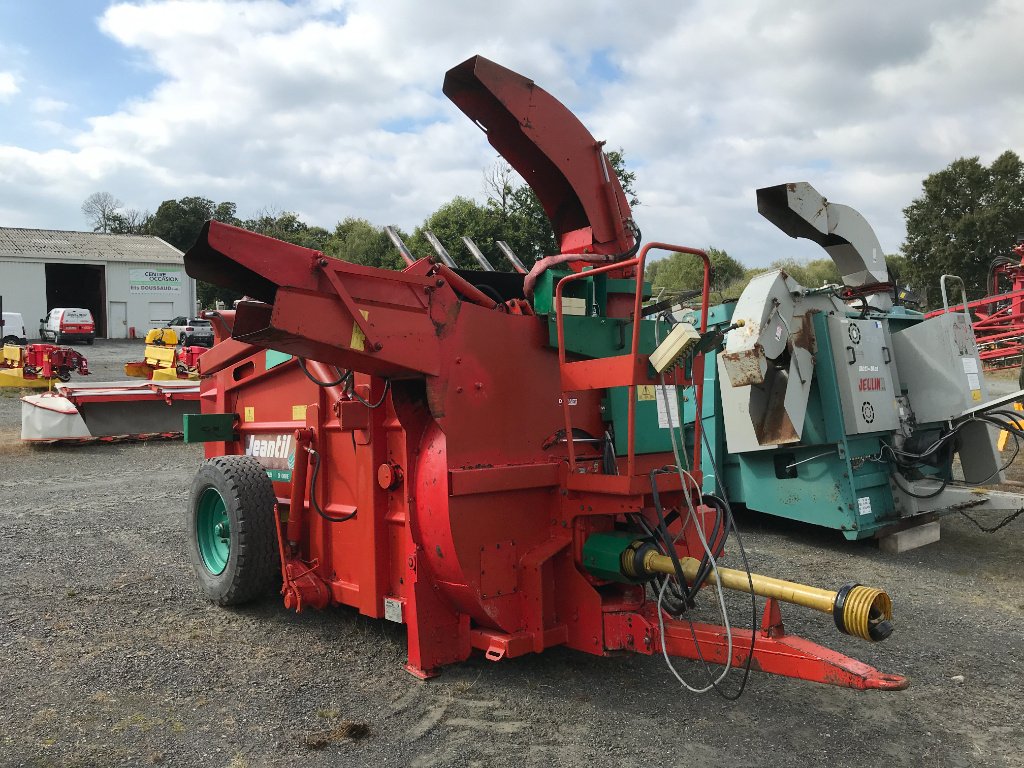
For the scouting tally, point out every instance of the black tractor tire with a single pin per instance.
(253, 568)
(1020, 376)
(8, 340)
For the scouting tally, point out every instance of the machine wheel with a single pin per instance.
(9, 340)
(1020, 376)
(89, 341)
(232, 534)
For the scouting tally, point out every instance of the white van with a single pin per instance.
(13, 329)
(67, 324)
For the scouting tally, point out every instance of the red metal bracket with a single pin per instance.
(774, 651)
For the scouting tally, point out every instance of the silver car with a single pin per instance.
(192, 331)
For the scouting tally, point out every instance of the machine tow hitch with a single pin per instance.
(863, 612)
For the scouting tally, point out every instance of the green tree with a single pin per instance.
(810, 274)
(179, 222)
(450, 222)
(967, 215)
(684, 272)
(287, 226)
(130, 222)
(360, 242)
(520, 218)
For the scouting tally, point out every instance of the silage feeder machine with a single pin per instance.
(487, 457)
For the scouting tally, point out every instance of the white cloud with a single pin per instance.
(8, 86)
(47, 106)
(333, 108)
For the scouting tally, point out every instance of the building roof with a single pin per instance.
(52, 244)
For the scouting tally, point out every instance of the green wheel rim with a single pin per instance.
(212, 531)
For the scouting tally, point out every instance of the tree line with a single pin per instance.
(966, 216)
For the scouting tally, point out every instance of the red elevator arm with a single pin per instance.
(551, 149)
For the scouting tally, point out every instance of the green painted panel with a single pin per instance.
(207, 427)
(275, 358)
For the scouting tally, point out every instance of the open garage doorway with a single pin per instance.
(78, 285)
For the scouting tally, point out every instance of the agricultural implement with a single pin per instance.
(38, 366)
(998, 319)
(163, 360)
(108, 411)
(834, 407)
(483, 456)
(104, 411)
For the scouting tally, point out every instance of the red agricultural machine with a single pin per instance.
(998, 319)
(494, 459)
(164, 360)
(39, 365)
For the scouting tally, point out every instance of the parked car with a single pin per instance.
(192, 331)
(63, 324)
(13, 329)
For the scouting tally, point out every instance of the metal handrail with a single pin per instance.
(697, 372)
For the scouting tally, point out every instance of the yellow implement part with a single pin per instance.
(165, 374)
(138, 370)
(165, 336)
(161, 357)
(12, 355)
(1004, 436)
(13, 377)
(860, 609)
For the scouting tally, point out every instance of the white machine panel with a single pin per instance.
(939, 366)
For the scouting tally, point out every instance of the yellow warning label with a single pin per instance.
(249, 414)
(645, 392)
(298, 413)
(358, 337)
(975, 394)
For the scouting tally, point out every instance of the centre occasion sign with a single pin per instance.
(154, 281)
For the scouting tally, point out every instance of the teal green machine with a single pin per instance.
(834, 407)
(827, 405)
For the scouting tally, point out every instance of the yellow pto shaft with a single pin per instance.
(864, 612)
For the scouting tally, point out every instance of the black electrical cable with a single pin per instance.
(1005, 521)
(341, 376)
(490, 292)
(666, 539)
(229, 326)
(350, 390)
(312, 493)
(635, 231)
(910, 493)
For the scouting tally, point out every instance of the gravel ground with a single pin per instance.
(110, 656)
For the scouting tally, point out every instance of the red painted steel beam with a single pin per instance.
(774, 652)
(551, 149)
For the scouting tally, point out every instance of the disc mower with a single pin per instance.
(494, 459)
(39, 365)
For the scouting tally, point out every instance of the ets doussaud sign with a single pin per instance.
(155, 281)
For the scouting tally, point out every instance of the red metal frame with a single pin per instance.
(49, 361)
(627, 370)
(999, 317)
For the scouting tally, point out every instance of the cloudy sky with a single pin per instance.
(333, 108)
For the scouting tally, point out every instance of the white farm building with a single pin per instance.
(130, 283)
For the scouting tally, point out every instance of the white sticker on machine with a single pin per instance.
(864, 505)
(667, 394)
